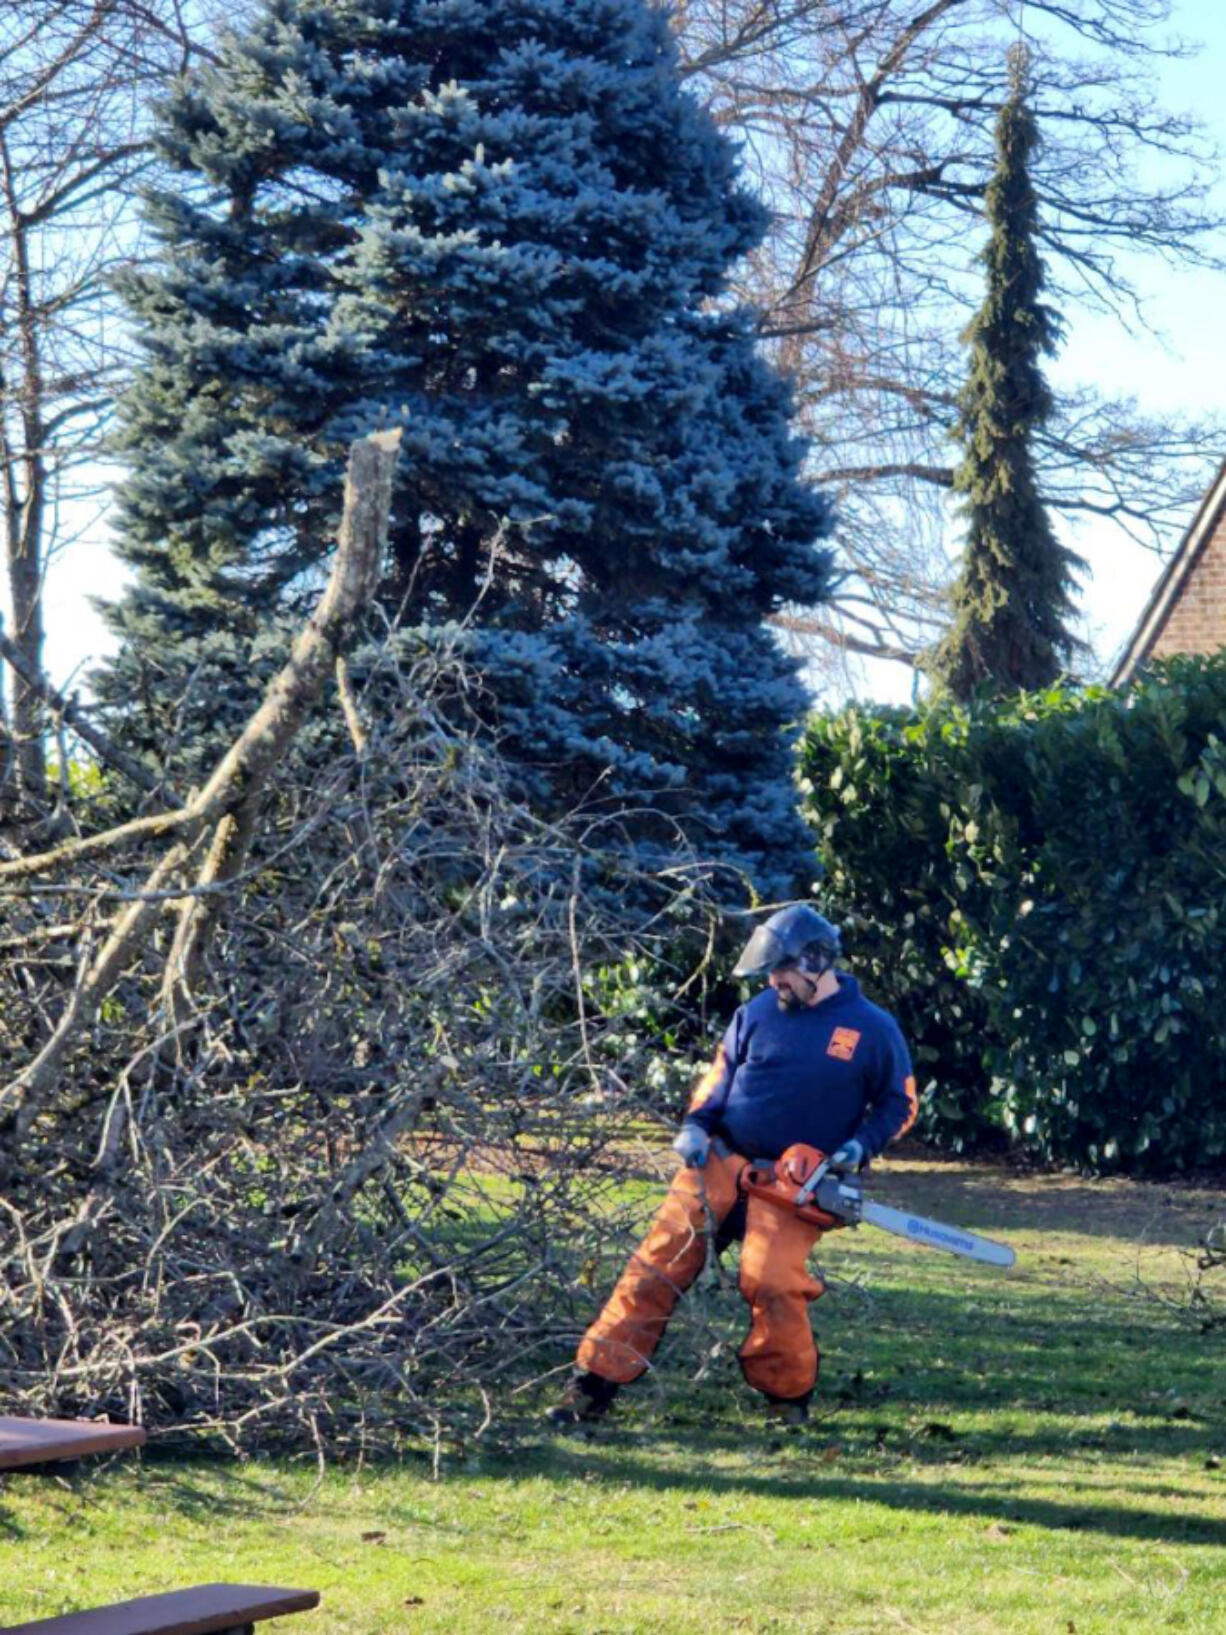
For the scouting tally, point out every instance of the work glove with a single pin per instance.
(692, 1146)
(848, 1158)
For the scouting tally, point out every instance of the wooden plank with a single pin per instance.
(44, 1441)
(204, 1610)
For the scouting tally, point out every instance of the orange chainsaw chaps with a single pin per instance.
(620, 1343)
(780, 1355)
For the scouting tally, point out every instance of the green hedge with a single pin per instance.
(1036, 889)
(875, 786)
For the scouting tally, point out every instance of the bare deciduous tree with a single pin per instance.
(868, 127)
(76, 77)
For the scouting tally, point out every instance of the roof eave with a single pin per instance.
(1171, 582)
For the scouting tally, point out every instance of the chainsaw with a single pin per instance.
(802, 1181)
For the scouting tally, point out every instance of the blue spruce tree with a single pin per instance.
(503, 225)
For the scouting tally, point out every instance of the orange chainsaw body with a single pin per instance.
(778, 1184)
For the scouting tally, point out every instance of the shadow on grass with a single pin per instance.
(961, 1500)
(1010, 1353)
(937, 1435)
(9, 1528)
(61, 1481)
(201, 1486)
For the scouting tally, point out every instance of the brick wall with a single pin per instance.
(1197, 622)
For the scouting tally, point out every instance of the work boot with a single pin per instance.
(587, 1397)
(786, 1413)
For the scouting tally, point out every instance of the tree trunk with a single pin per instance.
(25, 498)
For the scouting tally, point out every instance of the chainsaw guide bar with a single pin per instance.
(801, 1181)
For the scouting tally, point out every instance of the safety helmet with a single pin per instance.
(797, 935)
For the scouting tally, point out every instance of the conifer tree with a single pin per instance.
(1012, 599)
(503, 225)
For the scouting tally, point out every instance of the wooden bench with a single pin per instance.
(25, 1442)
(209, 1609)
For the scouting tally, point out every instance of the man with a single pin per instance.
(808, 1060)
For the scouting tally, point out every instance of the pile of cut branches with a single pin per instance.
(317, 1133)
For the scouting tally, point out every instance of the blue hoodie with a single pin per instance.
(822, 1074)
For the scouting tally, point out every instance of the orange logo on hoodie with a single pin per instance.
(843, 1042)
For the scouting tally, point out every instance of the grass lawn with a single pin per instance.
(1034, 1450)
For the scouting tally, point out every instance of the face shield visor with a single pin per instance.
(762, 954)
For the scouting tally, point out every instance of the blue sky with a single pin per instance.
(1183, 366)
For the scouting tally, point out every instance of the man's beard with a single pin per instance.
(790, 1000)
